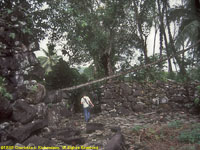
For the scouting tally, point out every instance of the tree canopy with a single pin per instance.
(109, 34)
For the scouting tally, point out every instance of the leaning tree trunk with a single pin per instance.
(134, 69)
(177, 58)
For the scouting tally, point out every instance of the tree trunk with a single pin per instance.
(163, 33)
(145, 51)
(183, 55)
(161, 42)
(178, 60)
(168, 54)
(141, 34)
(174, 62)
(160, 27)
(154, 42)
(109, 66)
(95, 71)
(167, 48)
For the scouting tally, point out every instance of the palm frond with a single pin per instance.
(180, 12)
(45, 52)
(189, 30)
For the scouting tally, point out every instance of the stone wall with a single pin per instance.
(16, 49)
(24, 119)
(39, 113)
(126, 98)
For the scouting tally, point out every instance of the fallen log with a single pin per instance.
(134, 69)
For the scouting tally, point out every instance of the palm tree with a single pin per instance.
(50, 58)
(187, 15)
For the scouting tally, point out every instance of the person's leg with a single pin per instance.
(85, 114)
(88, 114)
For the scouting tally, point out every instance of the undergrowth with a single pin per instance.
(175, 135)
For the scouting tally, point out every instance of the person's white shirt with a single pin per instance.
(83, 101)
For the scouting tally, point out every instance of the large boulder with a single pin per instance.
(7, 143)
(39, 141)
(22, 112)
(5, 108)
(116, 143)
(4, 129)
(63, 133)
(92, 127)
(108, 94)
(41, 110)
(13, 66)
(21, 133)
(37, 92)
(123, 111)
(53, 96)
(138, 107)
(126, 90)
(74, 140)
(56, 96)
(55, 112)
(138, 93)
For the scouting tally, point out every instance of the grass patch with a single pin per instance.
(191, 135)
(138, 128)
(175, 135)
(175, 124)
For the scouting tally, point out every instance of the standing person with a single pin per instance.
(85, 101)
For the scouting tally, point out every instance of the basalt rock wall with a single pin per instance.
(29, 108)
(126, 98)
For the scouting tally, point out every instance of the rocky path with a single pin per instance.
(130, 117)
(112, 124)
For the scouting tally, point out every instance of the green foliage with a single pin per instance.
(175, 124)
(27, 30)
(89, 72)
(97, 28)
(9, 11)
(50, 58)
(25, 18)
(12, 35)
(3, 90)
(197, 99)
(138, 128)
(153, 73)
(194, 73)
(34, 88)
(187, 17)
(190, 135)
(63, 76)
(50, 105)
